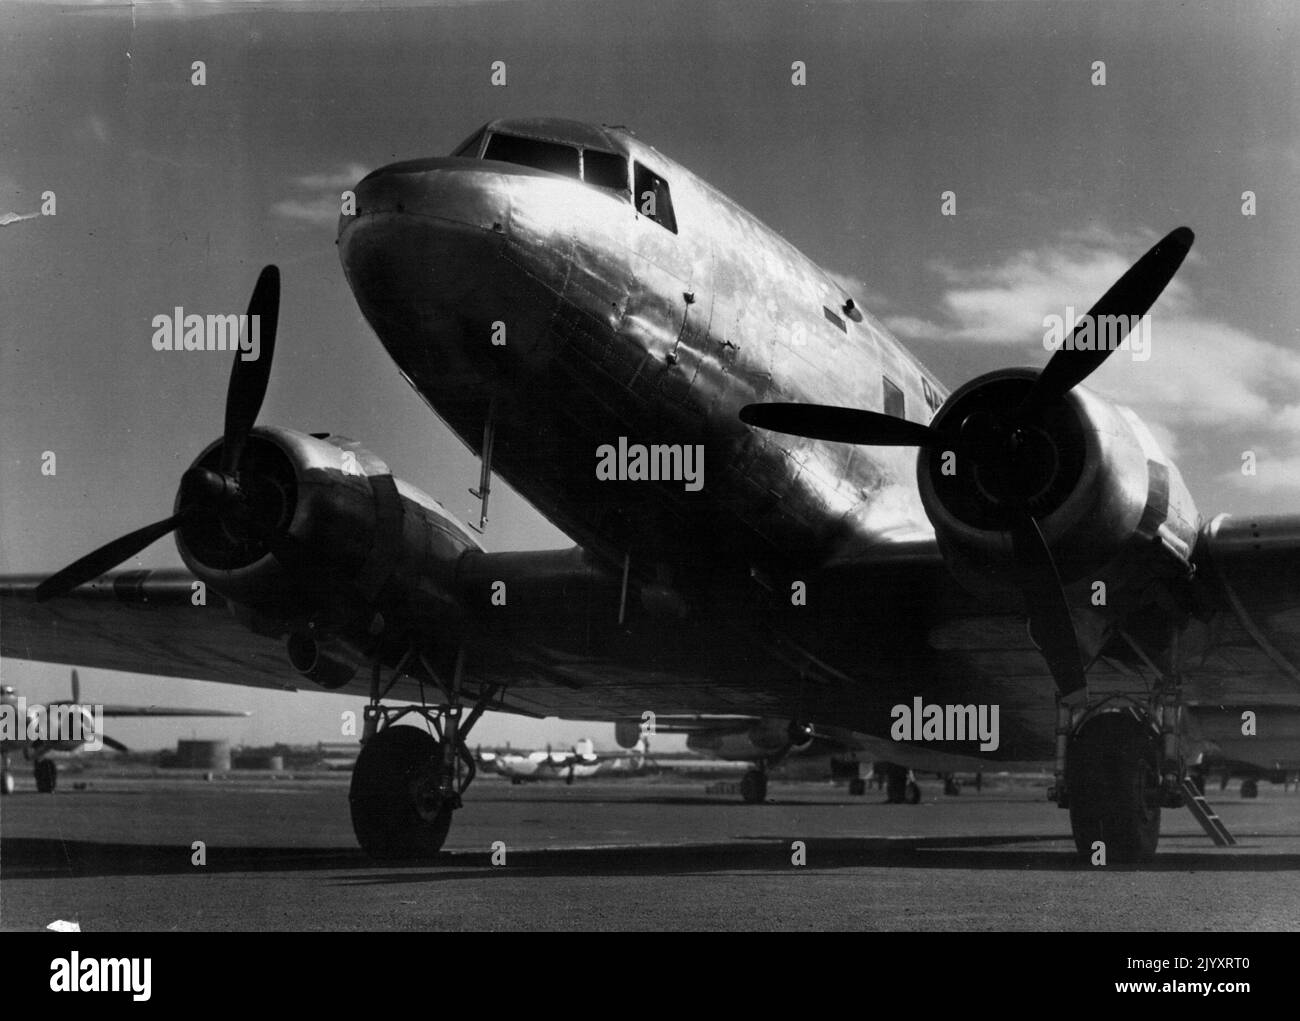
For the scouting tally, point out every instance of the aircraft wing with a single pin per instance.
(892, 625)
(143, 622)
(124, 711)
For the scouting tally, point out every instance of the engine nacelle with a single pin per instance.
(327, 660)
(327, 546)
(61, 726)
(764, 739)
(1088, 471)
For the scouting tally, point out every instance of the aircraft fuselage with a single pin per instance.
(585, 326)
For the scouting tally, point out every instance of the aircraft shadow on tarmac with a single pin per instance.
(49, 858)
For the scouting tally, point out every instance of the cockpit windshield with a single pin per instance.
(602, 169)
(532, 152)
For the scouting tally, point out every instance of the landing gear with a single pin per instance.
(47, 775)
(753, 787)
(900, 788)
(398, 809)
(1112, 774)
(407, 780)
(1250, 788)
(857, 787)
(951, 786)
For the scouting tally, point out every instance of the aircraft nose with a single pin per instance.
(423, 254)
(446, 188)
(448, 256)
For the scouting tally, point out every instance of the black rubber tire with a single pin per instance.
(47, 775)
(753, 787)
(895, 784)
(857, 787)
(1250, 788)
(912, 793)
(950, 786)
(1112, 773)
(389, 822)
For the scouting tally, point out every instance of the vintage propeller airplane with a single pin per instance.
(779, 512)
(66, 726)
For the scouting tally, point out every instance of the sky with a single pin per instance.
(170, 193)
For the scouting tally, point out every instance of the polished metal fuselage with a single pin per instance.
(577, 322)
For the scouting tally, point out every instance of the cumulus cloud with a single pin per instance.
(1212, 388)
(317, 195)
(1007, 303)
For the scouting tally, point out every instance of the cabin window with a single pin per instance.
(652, 199)
(470, 147)
(605, 170)
(532, 152)
(833, 318)
(894, 404)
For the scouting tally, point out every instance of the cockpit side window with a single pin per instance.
(652, 198)
(532, 152)
(470, 147)
(605, 170)
(895, 404)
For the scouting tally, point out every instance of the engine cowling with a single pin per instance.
(1088, 471)
(327, 547)
(763, 739)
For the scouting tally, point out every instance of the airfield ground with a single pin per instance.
(116, 852)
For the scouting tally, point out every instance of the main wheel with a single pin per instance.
(1112, 772)
(47, 775)
(1250, 788)
(895, 784)
(912, 793)
(857, 787)
(397, 811)
(753, 787)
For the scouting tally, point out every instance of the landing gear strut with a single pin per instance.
(407, 780)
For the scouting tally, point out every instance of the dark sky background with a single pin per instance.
(171, 194)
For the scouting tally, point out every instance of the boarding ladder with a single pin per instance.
(1204, 814)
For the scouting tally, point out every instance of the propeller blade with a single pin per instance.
(1049, 613)
(249, 379)
(92, 565)
(113, 743)
(840, 425)
(1130, 298)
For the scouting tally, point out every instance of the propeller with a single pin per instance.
(201, 488)
(839, 425)
(1129, 297)
(1007, 448)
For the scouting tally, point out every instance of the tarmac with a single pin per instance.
(122, 852)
